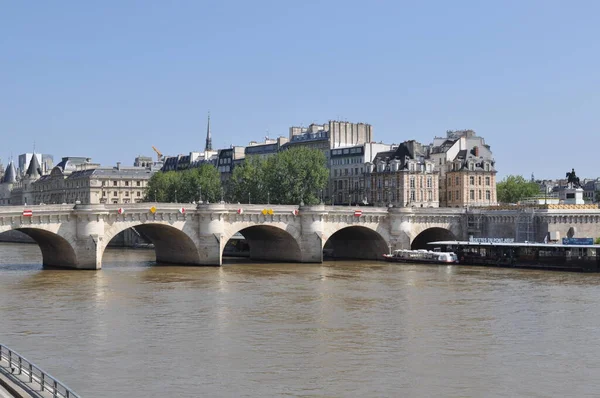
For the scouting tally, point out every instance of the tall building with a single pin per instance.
(337, 134)
(332, 135)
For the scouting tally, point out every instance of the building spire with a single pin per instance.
(208, 136)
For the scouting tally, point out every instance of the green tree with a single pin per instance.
(597, 241)
(297, 175)
(185, 186)
(247, 182)
(289, 177)
(514, 188)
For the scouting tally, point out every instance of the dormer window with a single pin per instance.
(471, 166)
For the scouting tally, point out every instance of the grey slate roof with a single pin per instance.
(10, 176)
(138, 173)
(34, 170)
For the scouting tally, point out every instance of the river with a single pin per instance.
(340, 329)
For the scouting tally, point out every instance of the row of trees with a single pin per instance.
(185, 186)
(289, 177)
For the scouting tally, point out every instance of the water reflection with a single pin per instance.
(338, 329)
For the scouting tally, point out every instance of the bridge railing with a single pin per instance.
(31, 377)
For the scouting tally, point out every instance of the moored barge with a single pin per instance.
(550, 256)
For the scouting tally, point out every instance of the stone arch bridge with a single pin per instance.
(75, 236)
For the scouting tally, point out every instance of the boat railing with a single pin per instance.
(31, 377)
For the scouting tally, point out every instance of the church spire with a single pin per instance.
(208, 136)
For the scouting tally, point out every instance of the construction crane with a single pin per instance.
(159, 154)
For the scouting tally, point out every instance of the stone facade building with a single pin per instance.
(404, 177)
(77, 179)
(348, 171)
(462, 155)
(470, 181)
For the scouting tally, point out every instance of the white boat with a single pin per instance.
(421, 256)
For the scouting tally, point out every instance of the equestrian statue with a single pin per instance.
(572, 179)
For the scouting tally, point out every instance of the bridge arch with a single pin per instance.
(431, 234)
(356, 242)
(57, 251)
(174, 243)
(269, 242)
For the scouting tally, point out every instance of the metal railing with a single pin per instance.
(31, 377)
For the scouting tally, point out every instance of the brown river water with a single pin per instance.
(338, 329)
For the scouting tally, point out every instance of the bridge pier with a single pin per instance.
(211, 228)
(89, 235)
(311, 241)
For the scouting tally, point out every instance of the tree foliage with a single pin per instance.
(514, 188)
(185, 186)
(293, 176)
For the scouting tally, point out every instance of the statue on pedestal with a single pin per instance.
(572, 179)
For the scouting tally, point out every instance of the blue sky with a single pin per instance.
(110, 79)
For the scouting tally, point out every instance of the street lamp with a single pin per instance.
(175, 195)
(248, 197)
(268, 197)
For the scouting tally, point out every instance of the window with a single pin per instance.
(335, 173)
(138, 195)
(480, 195)
(429, 182)
(115, 193)
(470, 165)
(127, 193)
(345, 172)
(412, 182)
(412, 196)
(430, 196)
(479, 180)
(472, 194)
(487, 181)
(449, 181)
(114, 183)
(126, 183)
(456, 196)
(356, 170)
(472, 180)
(456, 181)
(137, 183)
(487, 195)
(103, 193)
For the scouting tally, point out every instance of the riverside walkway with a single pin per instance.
(20, 378)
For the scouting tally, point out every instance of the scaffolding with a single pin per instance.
(474, 222)
(525, 228)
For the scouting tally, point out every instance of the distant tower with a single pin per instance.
(208, 137)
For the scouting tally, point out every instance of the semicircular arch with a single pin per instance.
(431, 234)
(269, 242)
(55, 245)
(355, 242)
(174, 242)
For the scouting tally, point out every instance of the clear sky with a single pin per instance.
(110, 79)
